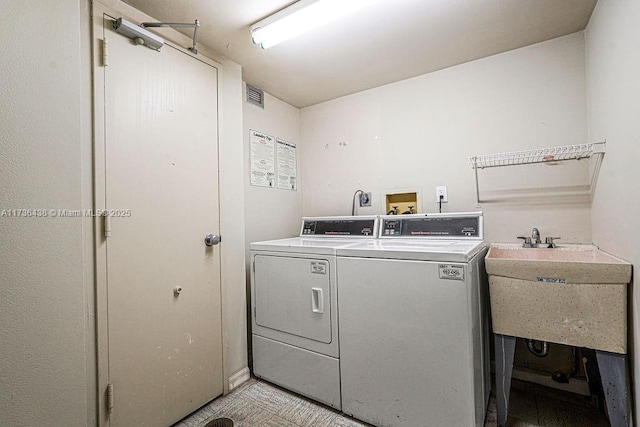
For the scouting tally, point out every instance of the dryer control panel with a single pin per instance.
(365, 226)
(437, 226)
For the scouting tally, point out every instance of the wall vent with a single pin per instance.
(255, 96)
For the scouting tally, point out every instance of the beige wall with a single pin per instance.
(270, 213)
(417, 133)
(44, 370)
(613, 89)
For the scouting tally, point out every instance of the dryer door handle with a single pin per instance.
(317, 301)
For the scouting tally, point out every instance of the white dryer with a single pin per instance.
(413, 323)
(294, 305)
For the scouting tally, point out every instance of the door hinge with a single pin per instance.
(254, 265)
(105, 52)
(107, 225)
(255, 313)
(109, 399)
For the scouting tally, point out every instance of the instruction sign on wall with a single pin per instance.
(273, 162)
(263, 167)
(286, 165)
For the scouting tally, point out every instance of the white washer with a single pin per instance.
(294, 305)
(413, 323)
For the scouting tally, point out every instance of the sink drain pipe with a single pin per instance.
(540, 351)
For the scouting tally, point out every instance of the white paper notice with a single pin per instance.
(263, 167)
(287, 171)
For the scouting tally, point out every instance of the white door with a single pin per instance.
(161, 162)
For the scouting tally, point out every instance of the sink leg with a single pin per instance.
(613, 371)
(505, 350)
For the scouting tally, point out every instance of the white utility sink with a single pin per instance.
(572, 294)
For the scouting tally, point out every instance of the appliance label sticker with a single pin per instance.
(448, 271)
(318, 267)
(552, 280)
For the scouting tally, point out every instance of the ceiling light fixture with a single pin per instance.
(301, 17)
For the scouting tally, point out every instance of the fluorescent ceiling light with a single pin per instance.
(300, 17)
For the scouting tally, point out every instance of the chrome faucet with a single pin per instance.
(535, 241)
(535, 236)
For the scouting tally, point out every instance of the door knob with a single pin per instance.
(212, 239)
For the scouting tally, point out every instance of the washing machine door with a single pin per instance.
(292, 295)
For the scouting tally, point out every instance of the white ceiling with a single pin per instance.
(386, 42)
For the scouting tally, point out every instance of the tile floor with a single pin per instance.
(260, 404)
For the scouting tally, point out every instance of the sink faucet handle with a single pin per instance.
(527, 241)
(550, 241)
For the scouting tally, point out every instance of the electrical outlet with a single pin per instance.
(441, 191)
(365, 199)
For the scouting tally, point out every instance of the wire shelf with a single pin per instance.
(540, 155)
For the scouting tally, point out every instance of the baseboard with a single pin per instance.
(239, 378)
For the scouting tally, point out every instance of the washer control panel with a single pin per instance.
(434, 226)
(339, 226)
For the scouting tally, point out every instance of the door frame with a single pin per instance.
(175, 40)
